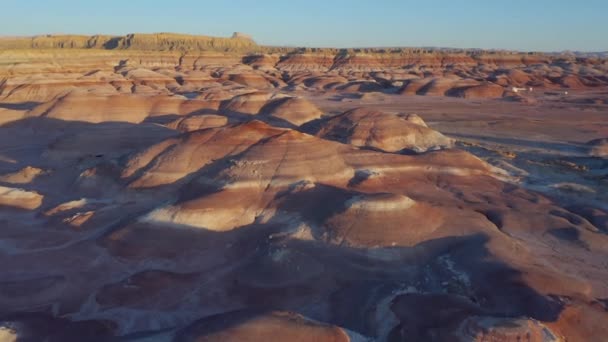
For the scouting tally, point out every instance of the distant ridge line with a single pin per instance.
(237, 43)
(134, 41)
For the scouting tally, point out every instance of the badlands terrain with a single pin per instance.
(181, 188)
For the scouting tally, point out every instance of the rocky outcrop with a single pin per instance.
(294, 110)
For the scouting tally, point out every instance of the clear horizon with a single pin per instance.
(540, 25)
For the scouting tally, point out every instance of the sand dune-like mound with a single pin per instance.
(45, 87)
(360, 86)
(213, 96)
(150, 78)
(286, 162)
(294, 110)
(324, 82)
(439, 86)
(370, 128)
(193, 80)
(505, 329)
(196, 122)
(173, 159)
(19, 198)
(572, 82)
(36, 88)
(249, 103)
(262, 61)
(127, 108)
(380, 203)
(245, 326)
(263, 169)
(405, 222)
(483, 91)
(288, 158)
(251, 80)
(412, 87)
(518, 78)
(95, 109)
(221, 212)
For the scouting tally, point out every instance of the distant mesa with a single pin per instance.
(241, 35)
(239, 42)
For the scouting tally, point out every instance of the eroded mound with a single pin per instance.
(246, 326)
(294, 110)
(483, 91)
(196, 122)
(190, 195)
(175, 158)
(249, 103)
(117, 108)
(370, 128)
(404, 222)
(504, 329)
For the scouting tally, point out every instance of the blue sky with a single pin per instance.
(539, 25)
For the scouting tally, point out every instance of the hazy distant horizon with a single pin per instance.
(543, 26)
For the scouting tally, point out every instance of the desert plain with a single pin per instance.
(164, 187)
